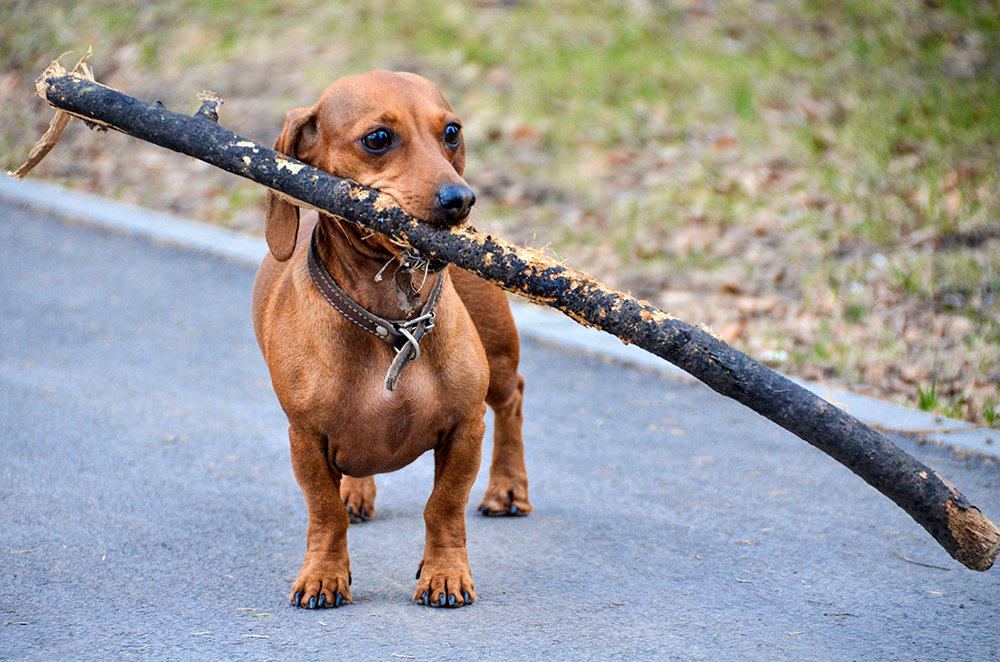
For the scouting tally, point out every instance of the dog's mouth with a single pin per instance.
(407, 272)
(435, 266)
(412, 260)
(409, 260)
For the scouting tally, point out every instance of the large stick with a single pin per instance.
(958, 526)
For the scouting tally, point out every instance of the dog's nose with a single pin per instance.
(455, 201)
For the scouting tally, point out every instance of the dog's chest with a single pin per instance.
(372, 430)
(329, 376)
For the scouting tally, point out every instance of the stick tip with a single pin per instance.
(977, 537)
(209, 109)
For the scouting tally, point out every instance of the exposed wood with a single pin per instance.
(58, 122)
(959, 527)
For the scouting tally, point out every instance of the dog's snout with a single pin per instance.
(455, 201)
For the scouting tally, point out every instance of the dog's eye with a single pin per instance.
(377, 141)
(452, 135)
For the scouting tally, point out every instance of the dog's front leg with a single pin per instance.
(445, 579)
(325, 578)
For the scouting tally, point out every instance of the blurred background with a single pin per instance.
(817, 181)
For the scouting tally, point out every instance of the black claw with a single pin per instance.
(340, 600)
(298, 597)
(423, 598)
(350, 579)
(419, 568)
(440, 601)
(322, 601)
(468, 598)
(312, 602)
(452, 600)
(364, 515)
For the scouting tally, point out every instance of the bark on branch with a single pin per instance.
(958, 526)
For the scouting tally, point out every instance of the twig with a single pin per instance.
(908, 560)
(930, 431)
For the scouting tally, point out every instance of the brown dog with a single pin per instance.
(332, 371)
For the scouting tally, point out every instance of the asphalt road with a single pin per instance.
(148, 510)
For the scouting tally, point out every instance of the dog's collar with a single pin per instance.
(402, 335)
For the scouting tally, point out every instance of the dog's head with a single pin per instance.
(391, 131)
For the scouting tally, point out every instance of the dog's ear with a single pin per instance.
(298, 139)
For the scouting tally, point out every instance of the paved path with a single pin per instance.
(147, 507)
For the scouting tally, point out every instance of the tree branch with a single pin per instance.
(959, 527)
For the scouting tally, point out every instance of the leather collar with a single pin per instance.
(402, 335)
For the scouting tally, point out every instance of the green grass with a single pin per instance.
(927, 397)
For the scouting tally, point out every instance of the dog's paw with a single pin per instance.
(505, 498)
(358, 495)
(317, 590)
(442, 585)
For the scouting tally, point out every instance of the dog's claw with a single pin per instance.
(340, 600)
(423, 598)
(298, 597)
(468, 598)
(512, 511)
(322, 601)
(440, 601)
(452, 600)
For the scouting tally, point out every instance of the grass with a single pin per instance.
(927, 398)
(839, 158)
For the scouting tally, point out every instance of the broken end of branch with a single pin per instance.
(58, 123)
(80, 69)
(978, 538)
(210, 103)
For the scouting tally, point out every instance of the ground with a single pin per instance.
(817, 182)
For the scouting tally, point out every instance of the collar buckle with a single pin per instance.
(402, 335)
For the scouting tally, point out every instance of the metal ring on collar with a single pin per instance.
(426, 317)
(413, 342)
